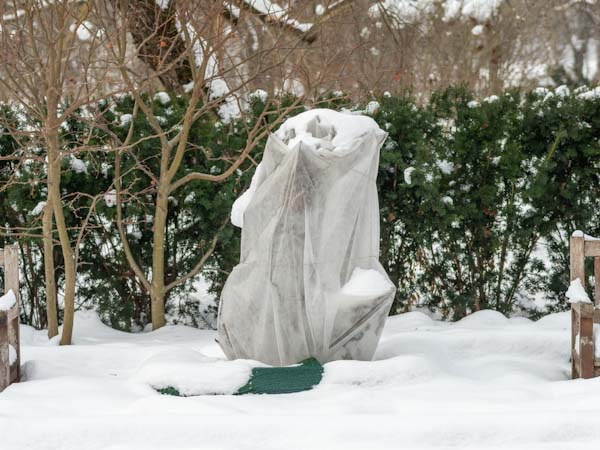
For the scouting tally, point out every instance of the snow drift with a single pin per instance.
(498, 383)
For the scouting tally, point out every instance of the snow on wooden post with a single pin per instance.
(10, 352)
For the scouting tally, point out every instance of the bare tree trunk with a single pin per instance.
(54, 176)
(157, 292)
(173, 52)
(496, 83)
(49, 73)
(51, 304)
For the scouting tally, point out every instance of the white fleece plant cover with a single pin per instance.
(309, 283)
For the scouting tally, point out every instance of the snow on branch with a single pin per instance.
(411, 11)
(272, 13)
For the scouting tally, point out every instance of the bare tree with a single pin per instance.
(206, 48)
(576, 40)
(50, 53)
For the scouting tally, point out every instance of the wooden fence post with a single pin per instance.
(574, 350)
(597, 281)
(4, 352)
(11, 281)
(577, 253)
(586, 340)
(577, 269)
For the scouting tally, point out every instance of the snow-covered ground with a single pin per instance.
(486, 382)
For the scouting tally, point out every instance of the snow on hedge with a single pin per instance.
(162, 97)
(38, 209)
(110, 198)
(408, 174)
(78, 165)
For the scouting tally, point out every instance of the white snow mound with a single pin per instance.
(193, 373)
(413, 320)
(8, 300)
(576, 292)
(12, 355)
(366, 282)
(499, 387)
(319, 129)
(326, 129)
(398, 371)
(483, 319)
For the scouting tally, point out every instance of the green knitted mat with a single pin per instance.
(284, 380)
(276, 380)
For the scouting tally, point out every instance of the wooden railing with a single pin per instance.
(584, 315)
(9, 320)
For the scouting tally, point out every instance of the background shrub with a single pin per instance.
(478, 198)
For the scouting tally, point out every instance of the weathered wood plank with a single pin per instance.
(13, 329)
(586, 310)
(586, 346)
(4, 367)
(577, 256)
(11, 269)
(11, 281)
(592, 248)
(12, 313)
(14, 373)
(1, 257)
(583, 315)
(597, 281)
(574, 318)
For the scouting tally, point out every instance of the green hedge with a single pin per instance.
(478, 198)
